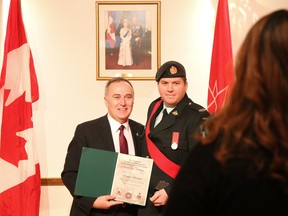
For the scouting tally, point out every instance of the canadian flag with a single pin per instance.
(19, 166)
(221, 71)
(110, 34)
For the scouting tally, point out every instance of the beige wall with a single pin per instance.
(62, 35)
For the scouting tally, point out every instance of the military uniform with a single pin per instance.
(173, 136)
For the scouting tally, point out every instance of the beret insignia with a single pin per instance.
(173, 70)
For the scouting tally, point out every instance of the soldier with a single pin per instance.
(136, 41)
(169, 137)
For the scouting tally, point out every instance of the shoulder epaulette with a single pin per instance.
(202, 110)
(197, 107)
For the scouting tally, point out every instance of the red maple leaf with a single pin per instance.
(16, 118)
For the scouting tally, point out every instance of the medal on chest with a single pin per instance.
(175, 140)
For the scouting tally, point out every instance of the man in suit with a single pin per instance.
(169, 134)
(103, 133)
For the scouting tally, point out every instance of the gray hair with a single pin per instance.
(116, 80)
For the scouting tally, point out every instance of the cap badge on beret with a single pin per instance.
(173, 70)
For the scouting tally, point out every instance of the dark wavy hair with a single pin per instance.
(254, 123)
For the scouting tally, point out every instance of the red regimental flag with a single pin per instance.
(221, 71)
(110, 35)
(19, 166)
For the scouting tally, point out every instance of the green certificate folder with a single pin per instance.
(96, 172)
(104, 172)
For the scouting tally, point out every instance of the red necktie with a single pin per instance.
(123, 141)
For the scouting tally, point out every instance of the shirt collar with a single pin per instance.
(115, 124)
(169, 109)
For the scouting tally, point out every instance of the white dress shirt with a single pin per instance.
(159, 117)
(114, 125)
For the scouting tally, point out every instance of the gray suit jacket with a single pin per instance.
(94, 134)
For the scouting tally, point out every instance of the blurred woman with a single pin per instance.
(241, 166)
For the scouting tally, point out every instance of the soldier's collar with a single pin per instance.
(169, 109)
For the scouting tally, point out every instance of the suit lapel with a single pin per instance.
(169, 119)
(136, 133)
(106, 134)
(164, 124)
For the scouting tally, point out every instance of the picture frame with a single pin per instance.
(127, 39)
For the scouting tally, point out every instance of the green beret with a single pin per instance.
(170, 69)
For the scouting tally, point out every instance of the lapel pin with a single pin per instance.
(175, 113)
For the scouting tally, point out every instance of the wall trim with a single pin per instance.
(51, 182)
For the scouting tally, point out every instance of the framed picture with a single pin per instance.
(127, 39)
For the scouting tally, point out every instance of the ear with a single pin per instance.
(186, 85)
(106, 101)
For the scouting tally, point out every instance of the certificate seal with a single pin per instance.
(139, 196)
(128, 195)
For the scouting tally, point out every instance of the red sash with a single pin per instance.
(166, 165)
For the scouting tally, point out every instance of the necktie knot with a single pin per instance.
(165, 113)
(121, 128)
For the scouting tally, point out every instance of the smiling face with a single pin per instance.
(172, 90)
(119, 100)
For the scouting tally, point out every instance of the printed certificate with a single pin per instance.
(104, 172)
(131, 179)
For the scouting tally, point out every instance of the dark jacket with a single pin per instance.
(204, 188)
(185, 118)
(94, 134)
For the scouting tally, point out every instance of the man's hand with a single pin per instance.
(159, 198)
(105, 202)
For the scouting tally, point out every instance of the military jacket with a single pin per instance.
(183, 120)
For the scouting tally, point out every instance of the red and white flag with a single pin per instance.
(221, 71)
(19, 166)
(110, 34)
